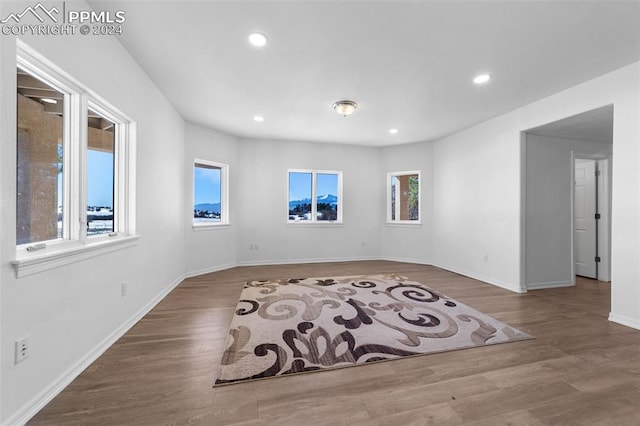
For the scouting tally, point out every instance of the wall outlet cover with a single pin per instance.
(22, 349)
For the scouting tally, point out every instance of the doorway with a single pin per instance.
(591, 209)
(566, 227)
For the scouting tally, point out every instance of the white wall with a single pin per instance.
(208, 250)
(478, 181)
(625, 250)
(262, 203)
(410, 243)
(72, 311)
(622, 89)
(548, 219)
(477, 202)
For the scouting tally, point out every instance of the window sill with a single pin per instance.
(305, 224)
(407, 224)
(32, 263)
(210, 226)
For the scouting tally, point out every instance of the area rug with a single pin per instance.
(293, 326)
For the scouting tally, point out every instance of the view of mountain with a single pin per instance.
(326, 198)
(208, 207)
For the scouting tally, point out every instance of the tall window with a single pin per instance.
(40, 168)
(403, 194)
(75, 159)
(315, 196)
(100, 174)
(210, 188)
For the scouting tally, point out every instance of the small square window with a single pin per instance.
(403, 197)
(315, 196)
(210, 185)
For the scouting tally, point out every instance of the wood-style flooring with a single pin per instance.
(580, 370)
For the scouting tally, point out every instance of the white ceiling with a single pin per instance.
(592, 126)
(409, 64)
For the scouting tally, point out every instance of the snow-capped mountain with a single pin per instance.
(328, 198)
(325, 199)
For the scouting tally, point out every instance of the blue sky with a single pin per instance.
(207, 185)
(207, 182)
(300, 185)
(99, 178)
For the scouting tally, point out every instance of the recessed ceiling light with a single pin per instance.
(482, 78)
(257, 39)
(258, 118)
(393, 131)
(49, 100)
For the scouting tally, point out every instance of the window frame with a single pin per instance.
(224, 196)
(75, 244)
(390, 176)
(314, 195)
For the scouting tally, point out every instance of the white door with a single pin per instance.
(585, 221)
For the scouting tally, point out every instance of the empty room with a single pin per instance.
(319, 212)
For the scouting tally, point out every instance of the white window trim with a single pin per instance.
(70, 252)
(314, 207)
(317, 224)
(224, 197)
(75, 245)
(398, 222)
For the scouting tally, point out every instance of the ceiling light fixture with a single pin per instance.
(482, 78)
(257, 39)
(258, 118)
(345, 107)
(393, 131)
(49, 100)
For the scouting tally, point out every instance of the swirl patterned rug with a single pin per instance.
(292, 326)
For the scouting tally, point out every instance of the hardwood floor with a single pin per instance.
(581, 369)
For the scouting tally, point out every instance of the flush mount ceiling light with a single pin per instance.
(482, 78)
(258, 118)
(393, 131)
(257, 39)
(345, 107)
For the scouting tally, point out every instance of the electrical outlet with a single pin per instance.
(22, 349)
(124, 288)
(253, 246)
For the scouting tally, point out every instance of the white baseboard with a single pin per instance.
(407, 260)
(37, 403)
(210, 270)
(625, 320)
(553, 284)
(299, 261)
(502, 284)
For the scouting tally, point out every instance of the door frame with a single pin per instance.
(604, 208)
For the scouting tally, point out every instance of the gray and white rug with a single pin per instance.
(292, 326)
